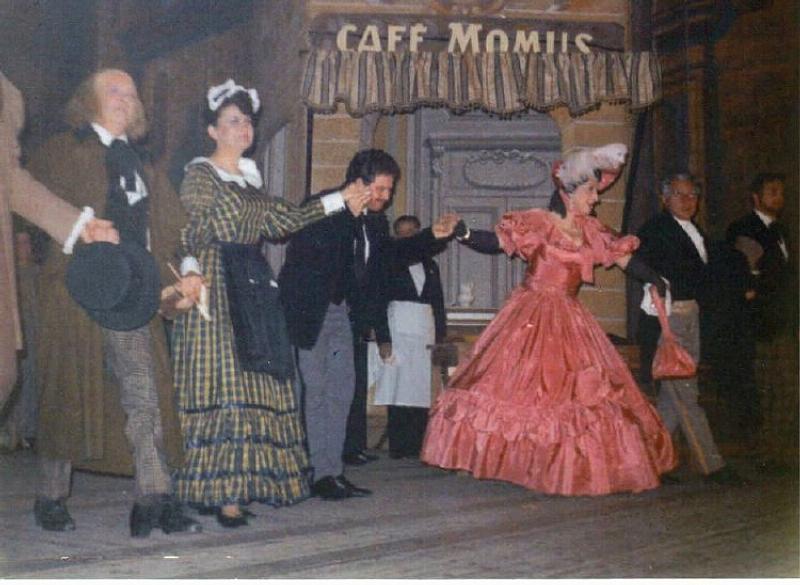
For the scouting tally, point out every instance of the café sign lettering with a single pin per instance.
(464, 38)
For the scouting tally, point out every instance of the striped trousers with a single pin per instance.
(678, 399)
(128, 355)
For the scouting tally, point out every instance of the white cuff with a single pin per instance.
(465, 237)
(647, 302)
(333, 202)
(86, 215)
(190, 264)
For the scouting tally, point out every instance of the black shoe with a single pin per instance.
(164, 513)
(232, 521)
(144, 517)
(670, 479)
(172, 519)
(359, 458)
(329, 488)
(205, 510)
(726, 476)
(354, 490)
(52, 515)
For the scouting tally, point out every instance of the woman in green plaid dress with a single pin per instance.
(243, 435)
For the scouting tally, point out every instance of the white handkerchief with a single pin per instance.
(647, 302)
(135, 196)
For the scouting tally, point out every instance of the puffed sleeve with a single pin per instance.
(606, 244)
(521, 233)
(200, 197)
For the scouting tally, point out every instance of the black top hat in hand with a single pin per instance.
(118, 285)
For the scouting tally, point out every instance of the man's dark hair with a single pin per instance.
(367, 164)
(406, 219)
(762, 179)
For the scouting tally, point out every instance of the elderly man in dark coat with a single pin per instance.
(107, 395)
(674, 246)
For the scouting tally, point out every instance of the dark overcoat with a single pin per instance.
(80, 417)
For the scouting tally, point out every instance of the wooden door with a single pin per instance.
(479, 166)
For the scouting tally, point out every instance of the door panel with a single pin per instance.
(479, 166)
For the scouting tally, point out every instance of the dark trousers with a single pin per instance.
(647, 338)
(735, 378)
(356, 438)
(406, 430)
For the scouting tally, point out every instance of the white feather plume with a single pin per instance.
(580, 166)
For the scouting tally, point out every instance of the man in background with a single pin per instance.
(416, 317)
(769, 318)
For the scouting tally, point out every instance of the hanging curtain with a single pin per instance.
(501, 83)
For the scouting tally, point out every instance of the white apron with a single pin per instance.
(406, 379)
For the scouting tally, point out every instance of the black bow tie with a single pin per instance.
(123, 161)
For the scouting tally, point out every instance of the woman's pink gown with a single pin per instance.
(545, 401)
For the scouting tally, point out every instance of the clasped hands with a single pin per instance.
(358, 194)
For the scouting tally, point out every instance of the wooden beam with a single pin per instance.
(180, 24)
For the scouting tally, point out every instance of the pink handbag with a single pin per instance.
(671, 361)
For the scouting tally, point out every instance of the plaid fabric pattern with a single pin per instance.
(243, 435)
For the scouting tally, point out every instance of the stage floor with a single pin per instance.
(420, 523)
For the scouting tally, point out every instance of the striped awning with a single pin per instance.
(502, 83)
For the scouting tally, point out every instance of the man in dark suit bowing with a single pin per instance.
(330, 287)
(674, 247)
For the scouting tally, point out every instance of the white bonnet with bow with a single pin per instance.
(219, 93)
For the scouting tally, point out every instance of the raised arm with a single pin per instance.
(483, 241)
(634, 265)
(285, 218)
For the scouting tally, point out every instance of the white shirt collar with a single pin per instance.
(105, 136)
(694, 235)
(764, 217)
(418, 276)
(250, 173)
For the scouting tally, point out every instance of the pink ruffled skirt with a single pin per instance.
(546, 402)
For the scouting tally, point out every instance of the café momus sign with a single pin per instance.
(463, 38)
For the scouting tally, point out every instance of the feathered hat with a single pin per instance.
(581, 165)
